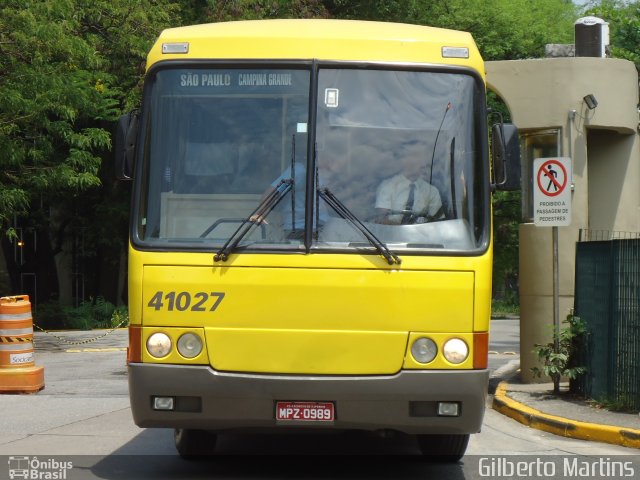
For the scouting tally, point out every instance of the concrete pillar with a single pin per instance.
(542, 94)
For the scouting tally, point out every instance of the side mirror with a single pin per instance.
(506, 157)
(125, 145)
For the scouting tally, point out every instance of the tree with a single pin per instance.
(503, 29)
(121, 32)
(558, 357)
(624, 24)
(203, 11)
(67, 69)
(51, 88)
(48, 90)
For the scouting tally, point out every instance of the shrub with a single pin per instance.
(556, 362)
(90, 314)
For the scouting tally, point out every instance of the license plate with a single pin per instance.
(305, 411)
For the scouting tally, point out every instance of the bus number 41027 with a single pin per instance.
(183, 301)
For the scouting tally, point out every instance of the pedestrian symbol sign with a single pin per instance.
(551, 192)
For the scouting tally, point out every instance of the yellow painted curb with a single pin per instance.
(533, 418)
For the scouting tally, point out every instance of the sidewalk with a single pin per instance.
(536, 406)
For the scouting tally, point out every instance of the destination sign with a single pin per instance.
(236, 80)
(208, 79)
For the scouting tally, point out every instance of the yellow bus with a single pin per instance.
(310, 239)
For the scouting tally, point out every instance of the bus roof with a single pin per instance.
(341, 40)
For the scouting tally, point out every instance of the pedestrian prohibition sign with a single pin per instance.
(551, 192)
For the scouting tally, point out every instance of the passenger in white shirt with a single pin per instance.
(407, 197)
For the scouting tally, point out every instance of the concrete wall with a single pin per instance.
(613, 194)
(605, 151)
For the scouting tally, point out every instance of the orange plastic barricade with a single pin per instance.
(18, 372)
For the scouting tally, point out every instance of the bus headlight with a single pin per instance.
(455, 350)
(189, 345)
(159, 345)
(424, 350)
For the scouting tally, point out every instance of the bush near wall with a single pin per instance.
(91, 314)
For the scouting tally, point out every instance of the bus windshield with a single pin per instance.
(399, 149)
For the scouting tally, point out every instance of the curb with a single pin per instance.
(533, 418)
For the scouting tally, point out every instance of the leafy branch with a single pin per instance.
(557, 361)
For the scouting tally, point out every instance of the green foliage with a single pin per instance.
(95, 313)
(624, 26)
(622, 403)
(122, 32)
(49, 316)
(506, 222)
(503, 29)
(505, 307)
(79, 318)
(67, 69)
(47, 92)
(119, 318)
(556, 362)
(204, 11)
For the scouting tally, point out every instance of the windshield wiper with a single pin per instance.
(342, 210)
(263, 209)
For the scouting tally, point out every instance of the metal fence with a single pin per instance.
(604, 235)
(607, 298)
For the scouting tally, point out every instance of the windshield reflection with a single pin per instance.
(408, 158)
(396, 148)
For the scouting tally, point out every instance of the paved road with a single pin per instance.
(83, 416)
(504, 345)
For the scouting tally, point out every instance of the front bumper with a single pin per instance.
(210, 400)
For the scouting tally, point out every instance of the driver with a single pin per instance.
(330, 167)
(407, 197)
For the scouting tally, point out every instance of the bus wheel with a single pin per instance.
(443, 448)
(194, 443)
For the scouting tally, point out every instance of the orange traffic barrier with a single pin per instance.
(18, 371)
